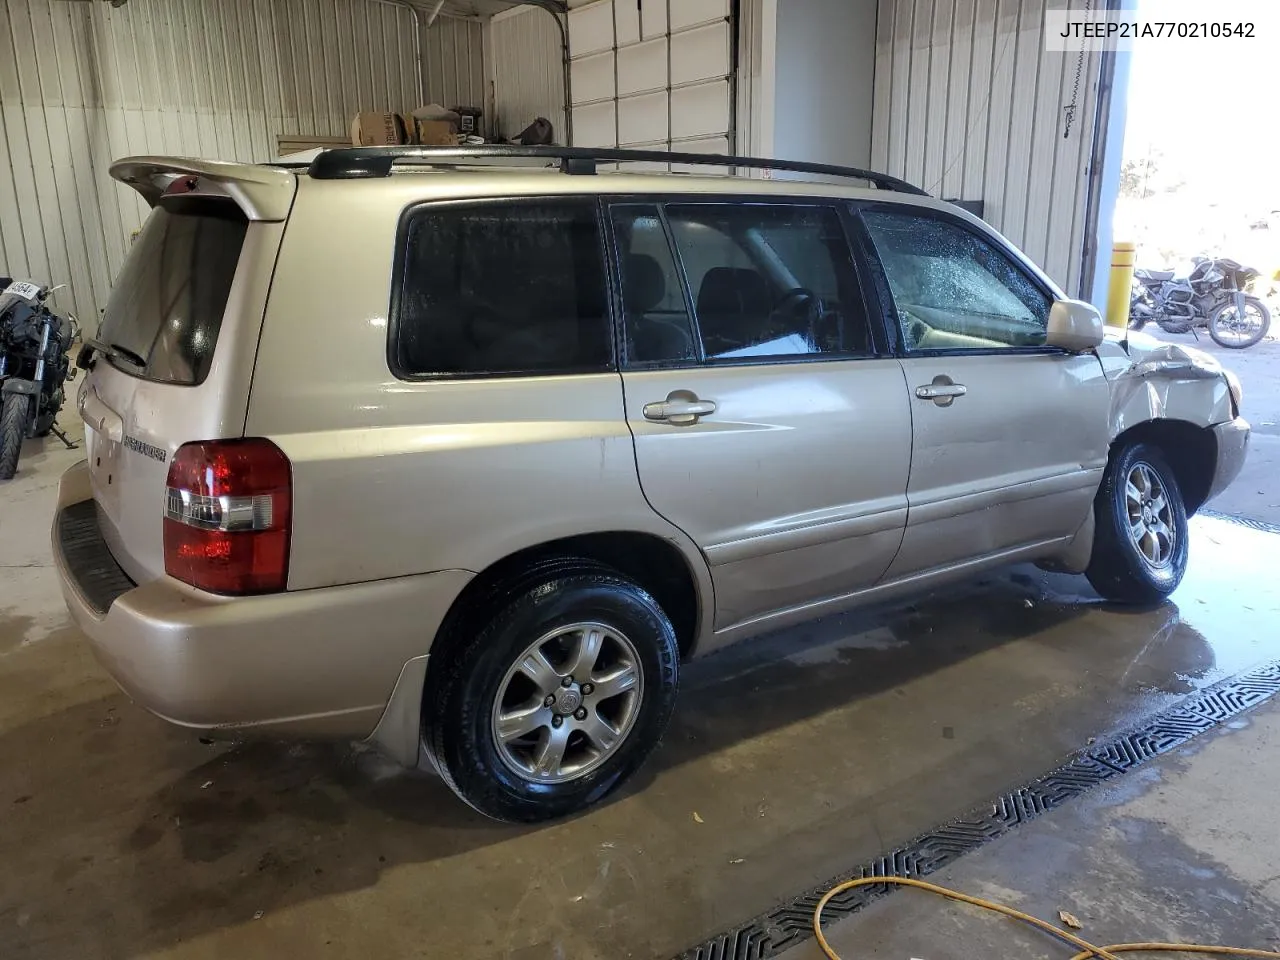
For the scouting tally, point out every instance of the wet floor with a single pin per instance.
(790, 758)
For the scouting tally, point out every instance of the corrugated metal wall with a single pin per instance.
(453, 63)
(969, 105)
(527, 67)
(82, 84)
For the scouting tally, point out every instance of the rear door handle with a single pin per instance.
(681, 408)
(931, 392)
(942, 391)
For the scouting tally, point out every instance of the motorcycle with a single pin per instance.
(34, 365)
(1214, 295)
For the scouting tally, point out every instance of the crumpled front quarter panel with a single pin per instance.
(1156, 380)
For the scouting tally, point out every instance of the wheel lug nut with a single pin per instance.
(557, 720)
(549, 701)
(580, 713)
(566, 682)
(587, 688)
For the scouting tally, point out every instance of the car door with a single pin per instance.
(1009, 435)
(769, 423)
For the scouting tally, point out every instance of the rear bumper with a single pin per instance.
(1233, 447)
(311, 663)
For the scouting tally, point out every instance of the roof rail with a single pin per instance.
(351, 163)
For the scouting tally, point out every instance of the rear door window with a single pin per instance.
(502, 288)
(167, 304)
(770, 280)
(656, 322)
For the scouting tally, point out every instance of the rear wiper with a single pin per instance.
(114, 351)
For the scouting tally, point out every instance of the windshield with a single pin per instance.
(167, 304)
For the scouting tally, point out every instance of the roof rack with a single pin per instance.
(352, 163)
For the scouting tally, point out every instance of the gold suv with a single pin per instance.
(463, 452)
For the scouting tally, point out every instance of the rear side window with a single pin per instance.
(167, 304)
(502, 288)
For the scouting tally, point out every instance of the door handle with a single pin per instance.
(933, 393)
(681, 408)
(943, 391)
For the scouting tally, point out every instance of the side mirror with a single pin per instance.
(1075, 326)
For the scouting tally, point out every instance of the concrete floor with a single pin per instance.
(1179, 851)
(789, 759)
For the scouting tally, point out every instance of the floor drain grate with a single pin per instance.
(1243, 521)
(791, 923)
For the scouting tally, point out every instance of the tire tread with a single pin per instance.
(1116, 570)
(13, 419)
(448, 707)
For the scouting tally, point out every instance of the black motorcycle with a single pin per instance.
(1212, 295)
(34, 365)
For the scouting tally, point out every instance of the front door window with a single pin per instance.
(952, 289)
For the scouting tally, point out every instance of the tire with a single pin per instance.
(44, 423)
(1119, 569)
(13, 428)
(1176, 326)
(1222, 317)
(486, 678)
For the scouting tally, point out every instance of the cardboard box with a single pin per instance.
(438, 133)
(378, 130)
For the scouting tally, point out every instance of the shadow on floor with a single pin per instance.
(121, 834)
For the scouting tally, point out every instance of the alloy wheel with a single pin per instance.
(1150, 516)
(568, 702)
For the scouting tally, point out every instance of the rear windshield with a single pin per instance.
(167, 304)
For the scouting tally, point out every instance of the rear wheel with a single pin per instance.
(1140, 546)
(13, 427)
(558, 699)
(1236, 330)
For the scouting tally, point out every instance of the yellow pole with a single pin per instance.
(1118, 290)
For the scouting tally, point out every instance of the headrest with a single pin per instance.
(734, 290)
(643, 285)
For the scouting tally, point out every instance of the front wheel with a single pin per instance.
(1237, 329)
(1140, 543)
(557, 701)
(13, 427)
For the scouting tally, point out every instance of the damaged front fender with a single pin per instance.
(1152, 380)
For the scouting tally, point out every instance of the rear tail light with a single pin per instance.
(226, 517)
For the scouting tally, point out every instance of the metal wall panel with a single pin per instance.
(82, 84)
(453, 63)
(526, 65)
(969, 105)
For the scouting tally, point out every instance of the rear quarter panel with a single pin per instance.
(393, 477)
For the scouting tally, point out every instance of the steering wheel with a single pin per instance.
(802, 303)
(914, 330)
(795, 298)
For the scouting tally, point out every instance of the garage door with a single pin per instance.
(652, 74)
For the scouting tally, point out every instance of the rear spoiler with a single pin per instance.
(262, 192)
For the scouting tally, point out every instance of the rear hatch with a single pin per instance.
(173, 357)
